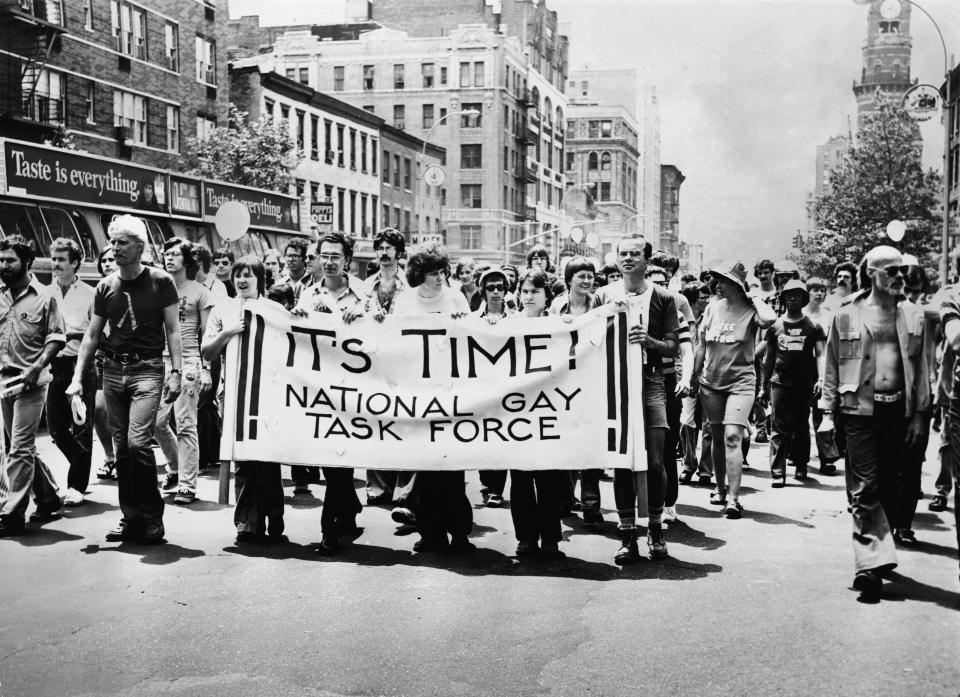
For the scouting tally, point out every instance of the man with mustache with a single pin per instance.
(845, 274)
(876, 380)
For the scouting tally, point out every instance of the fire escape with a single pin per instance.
(32, 105)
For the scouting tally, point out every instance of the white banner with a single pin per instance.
(432, 393)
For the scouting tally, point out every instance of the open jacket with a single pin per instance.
(849, 368)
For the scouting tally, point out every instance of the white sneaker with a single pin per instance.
(72, 498)
(670, 514)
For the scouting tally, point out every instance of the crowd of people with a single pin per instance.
(137, 361)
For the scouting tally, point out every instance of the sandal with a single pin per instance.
(108, 470)
(734, 511)
(718, 497)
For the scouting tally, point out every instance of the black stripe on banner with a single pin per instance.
(612, 439)
(624, 396)
(255, 377)
(242, 378)
(574, 339)
(611, 380)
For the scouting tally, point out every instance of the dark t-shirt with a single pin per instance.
(662, 318)
(795, 363)
(134, 310)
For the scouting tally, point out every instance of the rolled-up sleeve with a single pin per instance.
(56, 329)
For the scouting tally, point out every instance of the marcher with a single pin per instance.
(139, 303)
(101, 424)
(258, 515)
(32, 332)
(692, 422)
(223, 260)
(845, 276)
(875, 356)
(725, 363)
(182, 448)
(295, 255)
(468, 282)
(272, 265)
(535, 496)
(656, 333)
(790, 379)
(75, 301)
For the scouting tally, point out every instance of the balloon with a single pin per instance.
(576, 234)
(593, 239)
(232, 220)
(896, 230)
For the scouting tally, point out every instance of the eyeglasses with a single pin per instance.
(293, 256)
(632, 253)
(494, 288)
(893, 271)
(223, 262)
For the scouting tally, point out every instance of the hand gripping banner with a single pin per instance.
(432, 393)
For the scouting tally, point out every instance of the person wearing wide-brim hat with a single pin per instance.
(724, 362)
(790, 379)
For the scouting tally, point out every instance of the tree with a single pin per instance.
(261, 154)
(881, 179)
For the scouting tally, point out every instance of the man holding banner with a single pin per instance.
(655, 324)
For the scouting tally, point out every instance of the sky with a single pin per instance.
(747, 89)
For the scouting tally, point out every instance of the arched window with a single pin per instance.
(605, 161)
(877, 68)
(592, 161)
(535, 98)
(560, 122)
(547, 111)
(896, 69)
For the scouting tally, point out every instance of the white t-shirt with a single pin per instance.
(448, 301)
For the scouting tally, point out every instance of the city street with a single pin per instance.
(757, 606)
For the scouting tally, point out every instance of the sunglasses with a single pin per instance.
(895, 270)
(494, 287)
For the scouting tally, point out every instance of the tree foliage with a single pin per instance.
(261, 153)
(881, 179)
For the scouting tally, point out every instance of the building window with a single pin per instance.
(206, 51)
(299, 127)
(364, 230)
(338, 78)
(443, 75)
(396, 171)
(406, 220)
(399, 120)
(171, 42)
(291, 73)
(370, 109)
(478, 70)
(443, 115)
(90, 105)
(340, 144)
(471, 156)
(373, 155)
(398, 76)
(268, 106)
(368, 77)
(340, 196)
(173, 129)
(205, 126)
(593, 161)
(363, 152)
(570, 161)
(353, 212)
(130, 111)
(464, 74)
(604, 191)
(88, 15)
(426, 70)
(304, 76)
(386, 215)
(471, 121)
(606, 129)
(470, 196)
(386, 167)
(353, 148)
(428, 116)
(406, 173)
(471, 236)
(605, 162)
(314, 145)
(328, 141)
(129, 26)
(314, 191)
(285, 112)
(47, 103)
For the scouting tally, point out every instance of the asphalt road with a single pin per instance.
(759, 606)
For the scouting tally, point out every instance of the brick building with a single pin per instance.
(886, 56)
(670, 180)
(120, 79)
(404, 194)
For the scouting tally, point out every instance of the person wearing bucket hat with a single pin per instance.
(790, 377)
(725, 364)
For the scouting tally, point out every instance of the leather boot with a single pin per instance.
(628, 552)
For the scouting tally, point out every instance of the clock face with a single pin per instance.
(890, 9)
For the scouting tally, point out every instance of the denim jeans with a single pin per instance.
(75, 442)
(182, 448)
(25, 472)
(132, 394)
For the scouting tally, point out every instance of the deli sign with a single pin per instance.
(54, 173)
(267, 209)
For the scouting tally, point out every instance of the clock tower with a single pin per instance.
(886, 55)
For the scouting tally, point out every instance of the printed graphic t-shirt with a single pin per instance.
(134, 310)
(730, 337)
(795, 363)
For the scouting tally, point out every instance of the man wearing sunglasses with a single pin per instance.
(875, 380)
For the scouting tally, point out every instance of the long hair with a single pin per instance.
(190, 263)
(426, 260)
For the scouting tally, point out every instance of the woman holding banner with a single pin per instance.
(535, 496)
(259, 487)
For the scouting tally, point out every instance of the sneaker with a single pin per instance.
(628, 552)
(656, 543)
(494, 501)
(670, 514)
(170, 481)
(184, 497)
(733, 511)
(404, 516)
(938, 503)
(72, 498)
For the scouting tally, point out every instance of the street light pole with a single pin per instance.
(423, 153)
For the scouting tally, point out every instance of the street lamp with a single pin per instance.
(438, 173)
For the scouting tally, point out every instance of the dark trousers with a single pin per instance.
(672, 438)
(75, 442)
(340, 501)
(876, 447)
(908, 480)
(259, 491)
(304, 474)
(535, 504)
(953, 425)
(493, 481)
(590, 490)
(209, 422)
(789, 432)
(443, 506)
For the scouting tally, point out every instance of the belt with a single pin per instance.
(127, 358)
(651, 369)
(888, 397)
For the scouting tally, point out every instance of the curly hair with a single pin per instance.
(22, 247)
(426, 260)
(190, 263)
(393, 237)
